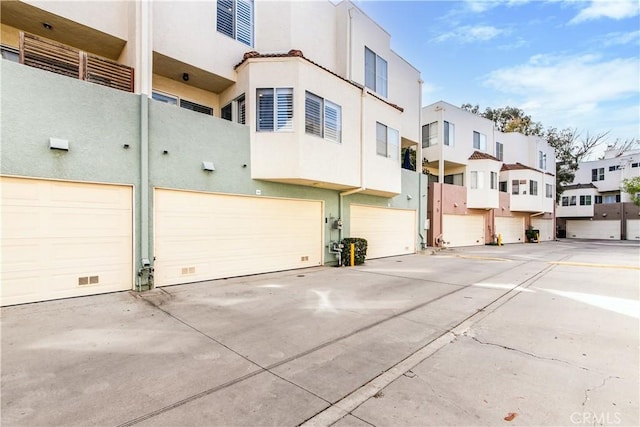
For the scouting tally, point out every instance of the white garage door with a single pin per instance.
(388, 231)
(64, 239)
(547, 231)
(204, 236)
(511, 229)
(586, 229)
(633, 229)
(463, 230)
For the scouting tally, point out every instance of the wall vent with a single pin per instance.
(188, 270)
(88, 280)
(304, 258)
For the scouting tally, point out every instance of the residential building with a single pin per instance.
(593, 205)
(484, 184)
(152, 143)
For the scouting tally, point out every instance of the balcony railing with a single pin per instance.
(62, 59)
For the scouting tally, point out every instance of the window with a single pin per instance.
(163, 97)
(430, 135)
(479, 141)
(542, 160)
(387, 141)
(449, 134)
(533, 188)
(585, 200)
(565, 201)
(196, 107)
(614, 168)
(275, 109)
(188, 105)
(515, 186)
(375, 72)
(455, 179)
(499, 151)
(494, 180)
(503, 186)
(597, 174)
(477, 180)
(235, 19)
(10, 53)
(634, 165)
(235, 111)
(323, 118)
(598, 200)
(612, 198)
(572, 201)
(548, 192)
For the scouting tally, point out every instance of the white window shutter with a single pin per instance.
(284, 109)
(313, 114)
(332, 121)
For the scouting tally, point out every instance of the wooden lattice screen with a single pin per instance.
(61, 59)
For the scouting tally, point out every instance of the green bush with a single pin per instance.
(360, 250)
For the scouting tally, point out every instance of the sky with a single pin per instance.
(566, 63)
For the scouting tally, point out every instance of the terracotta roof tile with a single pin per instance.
(295, 53)
(516, 166)
(479, 155)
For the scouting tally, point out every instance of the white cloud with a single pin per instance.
(582, 91)
(479, 6)
(619, 39)
(471, 34)
(614, 9)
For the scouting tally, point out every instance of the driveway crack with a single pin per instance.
(604, 382)
(553, 359)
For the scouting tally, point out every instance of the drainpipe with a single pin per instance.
(419, 158)
(144, 63)
(441, 172)
(363, 152)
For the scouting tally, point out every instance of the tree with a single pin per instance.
(622, 146)
(632, 187)
(508, 119)
(570, 151)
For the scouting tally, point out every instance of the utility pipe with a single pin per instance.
(419, 158)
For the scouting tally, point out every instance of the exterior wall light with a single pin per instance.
(58, 144)
(208, 166)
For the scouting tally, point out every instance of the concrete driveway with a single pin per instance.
(529, 334)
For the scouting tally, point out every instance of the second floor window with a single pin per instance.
(477, 180)
(479, 141)
(375, 72)
(548, 191)
(235, 19)
(387, 141)
(235, 111)
(533, 188)
(494, 180)
(274, 109)
(322, 118)
(585, 200)
(515, 186)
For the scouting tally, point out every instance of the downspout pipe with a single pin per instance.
(419, 157)
(145, 272)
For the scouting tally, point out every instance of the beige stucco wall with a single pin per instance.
(187, 92)
(111, 17)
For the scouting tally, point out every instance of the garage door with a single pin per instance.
(64, 239)
(547, 231)
(204, 236)
(463, 230)
(585, 229)
(511, 229)
(388, 231)
(633, 229)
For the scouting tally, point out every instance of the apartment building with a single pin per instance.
(151, 143)
(484, 183)
(593, 207)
